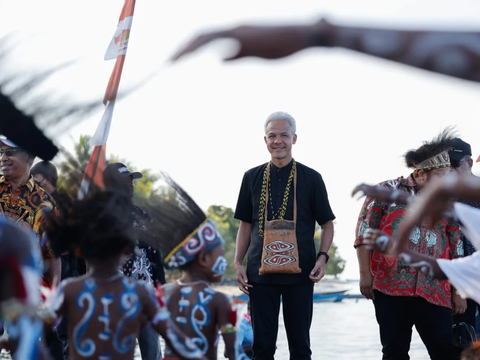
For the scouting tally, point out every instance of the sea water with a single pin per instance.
(342, 331)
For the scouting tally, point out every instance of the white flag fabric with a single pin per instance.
(118, 45)
(101, 134)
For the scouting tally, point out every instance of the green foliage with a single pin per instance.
(72, 167)
(227, 227)
(336, 264)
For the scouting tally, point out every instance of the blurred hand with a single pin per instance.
(268, 42)
(318, 271)
(378, 241)
(459, 305)
(366, 285)
(381, 193)
(242, 279)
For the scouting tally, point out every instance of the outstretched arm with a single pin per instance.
(453, 53)
(383, 193)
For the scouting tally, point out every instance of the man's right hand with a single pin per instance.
(242, 279)
(366, 286)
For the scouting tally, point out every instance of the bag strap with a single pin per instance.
(294, 195)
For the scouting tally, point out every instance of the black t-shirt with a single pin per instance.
(468, 247)
(312, 206)
(72, 266)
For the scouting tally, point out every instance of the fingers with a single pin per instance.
(244, 290)
(242, 282)
(357, 189)
(367, 292)
(194, 45)
(316, 278)
(243, 286)
(238, 55)
(317, 273)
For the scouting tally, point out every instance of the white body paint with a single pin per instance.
(105, 317)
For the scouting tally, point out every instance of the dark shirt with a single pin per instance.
(72, 266)
(312, 205)
(146, 263)
(468, 248)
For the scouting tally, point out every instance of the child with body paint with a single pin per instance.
(192, 244)
(105, 310)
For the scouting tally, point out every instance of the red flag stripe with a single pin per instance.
(114, 82)
(96, 164)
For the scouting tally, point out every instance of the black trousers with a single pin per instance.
(54, 344)
(297, 302)
(396, 316)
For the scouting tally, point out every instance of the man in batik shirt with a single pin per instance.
(403, 296)
(24, 202)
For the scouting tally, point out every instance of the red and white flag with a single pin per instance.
(117, 49)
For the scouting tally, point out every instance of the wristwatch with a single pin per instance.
(325, 254)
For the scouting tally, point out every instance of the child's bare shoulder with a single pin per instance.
(70, 285)
(169, 289)
(142, 288)
(221, 299)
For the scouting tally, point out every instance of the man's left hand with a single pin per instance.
(459, 305)
(318, 271)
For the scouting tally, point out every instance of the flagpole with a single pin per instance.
(117, 49)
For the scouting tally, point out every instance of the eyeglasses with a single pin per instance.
(9, 152)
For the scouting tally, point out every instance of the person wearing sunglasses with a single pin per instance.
(24, 202)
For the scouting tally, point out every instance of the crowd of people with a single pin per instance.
(84, 278)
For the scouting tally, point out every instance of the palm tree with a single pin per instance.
(72, 167)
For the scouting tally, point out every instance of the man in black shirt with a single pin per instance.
(146, 263)
(461, 160)
(277, 229)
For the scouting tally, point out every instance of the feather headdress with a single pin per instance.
(432, 154)
(181, 229)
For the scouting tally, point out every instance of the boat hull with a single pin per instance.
(317, 297)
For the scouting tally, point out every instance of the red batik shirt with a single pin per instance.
(26, 206)
(393, 277)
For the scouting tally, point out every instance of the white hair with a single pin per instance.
(280, 115)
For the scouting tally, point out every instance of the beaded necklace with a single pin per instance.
(263, 197)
